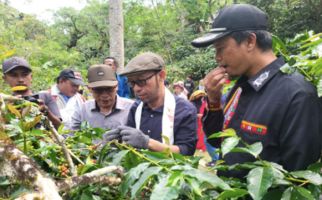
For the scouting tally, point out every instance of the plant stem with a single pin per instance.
(296, 180)
(24, 143)
(304, 183)
(24, 136)
(66, 151)
(142, 156)
(305, 74)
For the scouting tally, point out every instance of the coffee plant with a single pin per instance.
(137, 174)
(39, 162)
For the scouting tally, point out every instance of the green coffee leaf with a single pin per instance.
(228, 144)
(259, 180)
(4, 181)
(195, 186)
(226, 133)
(148, 173)
(207, 177)
(132, 176)
(174, 178)
(162, 192)
(232, 193)
(312, 177)
(297, 193)
(117, 158)
(254, 149)
(273, 194)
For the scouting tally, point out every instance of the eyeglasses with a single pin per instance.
(141, 82)
(101, 90)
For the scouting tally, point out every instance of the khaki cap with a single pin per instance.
(144, 62)
(101, 76)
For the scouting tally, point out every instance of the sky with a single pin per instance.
(43, 9)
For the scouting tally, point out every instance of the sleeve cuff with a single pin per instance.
(213, 106)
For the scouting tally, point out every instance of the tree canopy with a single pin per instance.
(80, 38)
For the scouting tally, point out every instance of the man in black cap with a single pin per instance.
(158, 120)
(280, 110)
(66, 93)
(17, 72)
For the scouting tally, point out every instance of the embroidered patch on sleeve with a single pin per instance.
(253, 128)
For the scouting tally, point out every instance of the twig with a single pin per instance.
(142, 156)
(95, 176)
(304, 183)
(296, 180)
(65, 150)
(75, 157)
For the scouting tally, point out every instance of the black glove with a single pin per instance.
(134, 137)
(110, 135)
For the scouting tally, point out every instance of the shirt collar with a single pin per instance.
(66, 98)
(54, 90)
(119, 105)
(263, 76)
(146, 107)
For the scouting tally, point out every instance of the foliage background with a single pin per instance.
(79, 39)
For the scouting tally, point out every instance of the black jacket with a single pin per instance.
(280, 110)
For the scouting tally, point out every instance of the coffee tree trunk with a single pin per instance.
(116, 31)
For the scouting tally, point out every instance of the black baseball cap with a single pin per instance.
(72, 75)
(237, 17)
(14, 62)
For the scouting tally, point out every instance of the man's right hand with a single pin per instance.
(214, 82)
(110, 135)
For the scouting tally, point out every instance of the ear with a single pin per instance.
(4, 77)
(162, 74)
(251, 42)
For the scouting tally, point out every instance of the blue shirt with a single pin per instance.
(185, 124)
(123, 87)
(66, 98)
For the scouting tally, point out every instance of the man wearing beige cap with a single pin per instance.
(158, 120)
(107, 110)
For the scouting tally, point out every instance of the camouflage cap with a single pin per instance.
(144, 62)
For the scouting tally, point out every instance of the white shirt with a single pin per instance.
(66, 109)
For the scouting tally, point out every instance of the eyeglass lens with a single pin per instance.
(140, 82)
